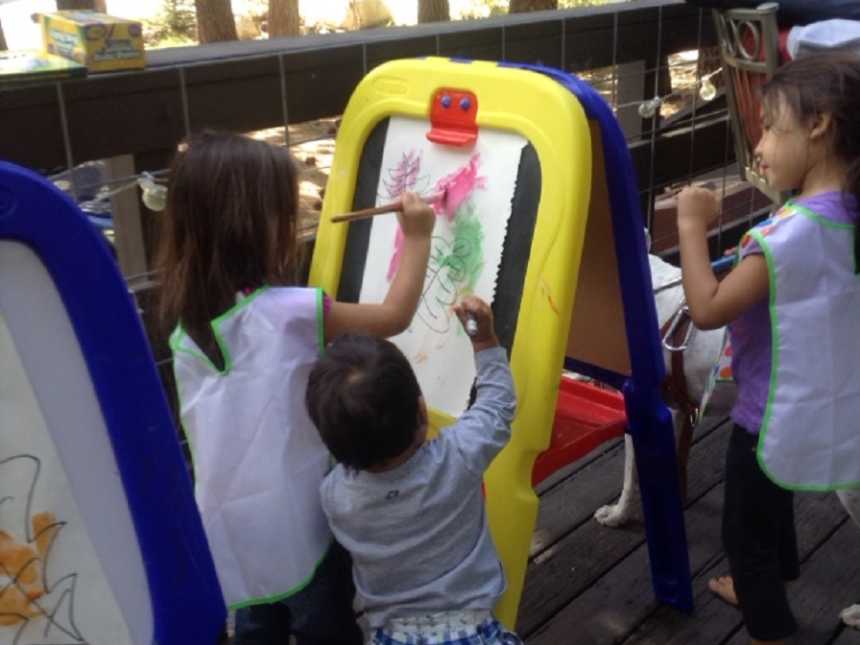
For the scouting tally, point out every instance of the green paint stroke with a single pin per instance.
(465, 262)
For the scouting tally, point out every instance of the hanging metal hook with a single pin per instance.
(683, 312)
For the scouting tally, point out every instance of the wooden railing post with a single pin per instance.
(128, 229)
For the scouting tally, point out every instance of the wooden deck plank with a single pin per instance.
(715, 622)
(572, 502)
(567, 567)
(562, 474)
(848, 636)
(589, 483)
(829, 580)
(619, 601)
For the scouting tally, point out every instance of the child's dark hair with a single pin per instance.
(363, 398)
(825, 83)
(229, 225)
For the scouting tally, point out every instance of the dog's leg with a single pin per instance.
(851, 501)
(628, 504)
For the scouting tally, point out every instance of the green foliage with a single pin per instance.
(176, 24)
(482, 8)
(180, 17)
(570, 4)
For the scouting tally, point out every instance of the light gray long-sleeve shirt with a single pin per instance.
(418, 534)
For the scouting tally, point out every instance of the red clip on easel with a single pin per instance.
(452, 117)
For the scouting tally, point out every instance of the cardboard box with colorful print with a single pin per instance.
(101, 42)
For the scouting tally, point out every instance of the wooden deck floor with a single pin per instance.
(589, 584)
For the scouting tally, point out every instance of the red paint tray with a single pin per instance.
(586, 415)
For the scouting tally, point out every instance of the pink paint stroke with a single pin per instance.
(394, 263)
(454, 188)
(457, 187)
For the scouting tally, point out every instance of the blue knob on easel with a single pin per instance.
(446, 101)
(465, 104)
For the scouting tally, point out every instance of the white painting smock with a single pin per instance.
(258, 460)
(809, 437)
(466, 248)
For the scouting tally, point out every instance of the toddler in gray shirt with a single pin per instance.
(410, 511)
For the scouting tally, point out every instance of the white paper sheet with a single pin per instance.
(466, 250)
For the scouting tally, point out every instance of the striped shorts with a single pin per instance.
(467, 627)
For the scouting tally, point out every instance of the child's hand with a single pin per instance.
(417, 218)
(479, 311)
(697, 207)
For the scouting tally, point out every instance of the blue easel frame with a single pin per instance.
(187, 605)
(649, 420)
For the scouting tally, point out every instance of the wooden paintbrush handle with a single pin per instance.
(393, 207)
(364, 213)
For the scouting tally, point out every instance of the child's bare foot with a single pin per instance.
(724, 588)
(851, 616)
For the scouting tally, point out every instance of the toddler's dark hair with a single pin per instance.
(363, 398)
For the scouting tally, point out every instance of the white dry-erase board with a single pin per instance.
(100, 541)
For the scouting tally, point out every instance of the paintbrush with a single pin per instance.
(393, 207)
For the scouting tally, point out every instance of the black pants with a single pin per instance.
(760, 541)
(319, 614)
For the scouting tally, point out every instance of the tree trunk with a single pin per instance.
(215, 21)
(520, 6)
(433, 11)
(283, 18)
(96, 5)
(2, 39)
